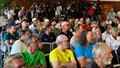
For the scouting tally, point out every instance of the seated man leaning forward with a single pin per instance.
(62, 57)
(103, 56)
(33, 57)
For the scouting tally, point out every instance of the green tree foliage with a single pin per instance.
(4, 3)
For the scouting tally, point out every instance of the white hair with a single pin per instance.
(113, 29)
(46, 20)
(99, 50)
(59, 39)
(34, 19)
(17, 22)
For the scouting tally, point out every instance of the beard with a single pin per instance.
(106, 62)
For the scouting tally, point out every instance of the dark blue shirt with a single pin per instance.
(68, 34)
(47, 38)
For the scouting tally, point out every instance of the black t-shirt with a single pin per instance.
(92, 65)
(47, 38)
(102, 29)
(68, 34)
(95, 65)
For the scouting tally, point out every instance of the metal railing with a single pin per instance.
(48, 46)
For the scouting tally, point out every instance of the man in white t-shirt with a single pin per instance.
(19, 45)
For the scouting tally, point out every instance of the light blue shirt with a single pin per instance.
(18, 47)
(84, 51)
(112, 43)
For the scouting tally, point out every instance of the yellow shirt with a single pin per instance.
(62, 57)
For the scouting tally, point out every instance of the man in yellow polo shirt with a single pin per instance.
(61, 56)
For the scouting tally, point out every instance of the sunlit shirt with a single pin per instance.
(113, 43)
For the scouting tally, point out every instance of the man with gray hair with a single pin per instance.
(62, 57)
(103, 56)
(111, 40)
(114, 44)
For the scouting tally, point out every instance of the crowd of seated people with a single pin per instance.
(80, 42)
